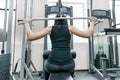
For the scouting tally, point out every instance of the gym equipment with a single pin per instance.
(112, 32)
(112, 76)
(3, 38)
(58, 8)
(47, 53)
(25, 72)
(58, 18)
(111, 35)
(99, 60)
(5, 18)
(24, 41)
(5, 67)
(59, 75)
(5, 59)
(3, 35)
(28, 60)
(101, 14)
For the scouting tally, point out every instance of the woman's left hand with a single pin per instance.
(26, 21)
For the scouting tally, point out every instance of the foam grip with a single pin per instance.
(3, 35)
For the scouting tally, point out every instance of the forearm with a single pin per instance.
(90, 30)
(28, 31)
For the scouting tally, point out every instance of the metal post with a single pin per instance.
(91, 42)
(59, 5)
(98, 71)
(14, 40)
(31, 15)
(113, 12)
(23, 44)
(5, 20)
(45, 40)
(28, 72)
(46, 24)
(115, 37)
(104, 67)
(71, 23)
(110, 40)
(9, 32)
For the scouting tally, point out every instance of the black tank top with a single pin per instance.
(60, 39)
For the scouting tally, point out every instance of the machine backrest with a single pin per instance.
(47, 52)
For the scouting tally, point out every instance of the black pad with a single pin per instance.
(112, 76)
(109, 31)
(5, 67)
(3, 35)
(60, 76)
(47, 52)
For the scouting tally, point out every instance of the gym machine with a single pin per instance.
(5, 36)
(28, 60)
(58, 8)
(109, 64)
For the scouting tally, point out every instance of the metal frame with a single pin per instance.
(24, 70)
(6, 58)
(24, 41)
(115, 37)
(5, 19)
(113, 48)
(28, 60)
(71, 18)
(68, 11)
(103, 74)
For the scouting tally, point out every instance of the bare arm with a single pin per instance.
(84, 34)
(36, 35)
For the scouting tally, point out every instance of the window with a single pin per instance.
(2, 13)
(79, 10)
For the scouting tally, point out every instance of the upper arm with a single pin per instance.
(74, 30)
(40, 34)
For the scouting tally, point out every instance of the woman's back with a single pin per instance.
(60, 39)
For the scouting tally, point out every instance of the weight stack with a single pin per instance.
(5, 67)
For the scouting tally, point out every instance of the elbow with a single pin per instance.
(29, 37)
(88, 35)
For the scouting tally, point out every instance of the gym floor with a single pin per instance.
(79, 75)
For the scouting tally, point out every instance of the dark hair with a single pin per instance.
(60, 21)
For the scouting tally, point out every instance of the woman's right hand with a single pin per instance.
(93, 19)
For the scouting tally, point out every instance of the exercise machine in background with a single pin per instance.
(107, 65)
(5, 36)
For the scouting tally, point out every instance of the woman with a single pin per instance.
(60, 58)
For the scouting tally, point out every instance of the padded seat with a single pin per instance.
(60, 76)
